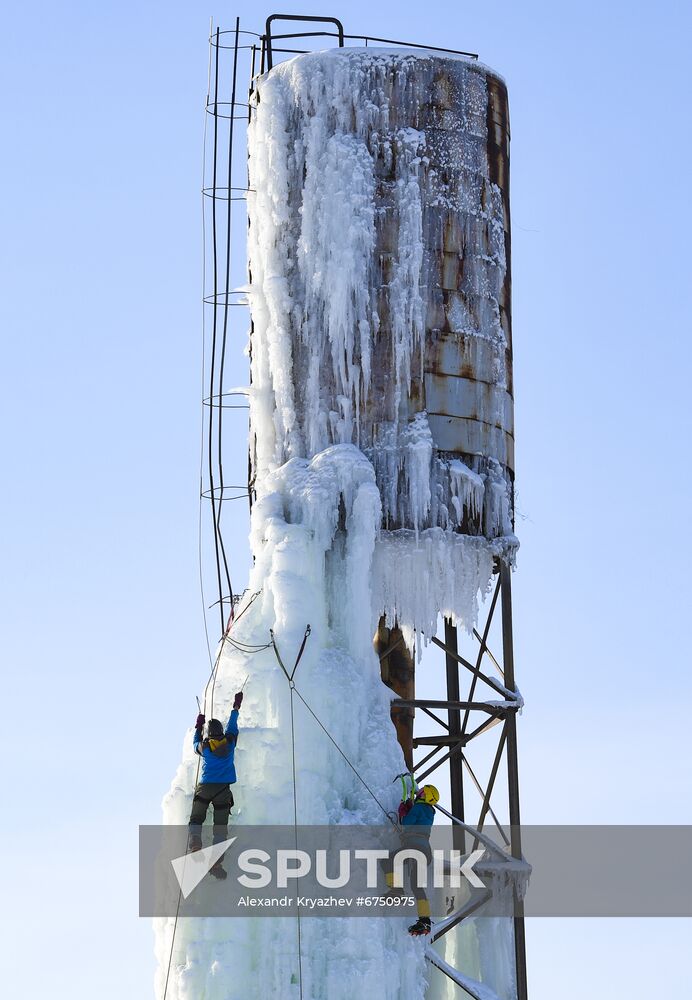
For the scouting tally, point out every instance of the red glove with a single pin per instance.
(404, 808)
(200, 722)
(238, 701)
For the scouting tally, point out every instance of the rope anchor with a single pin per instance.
(289, 677)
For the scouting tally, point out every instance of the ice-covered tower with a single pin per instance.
(379, 257)
(381, 481)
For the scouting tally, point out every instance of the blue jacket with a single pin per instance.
(417, 824)
(217, 763)
(420, 814)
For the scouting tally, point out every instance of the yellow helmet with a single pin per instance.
(430, 795)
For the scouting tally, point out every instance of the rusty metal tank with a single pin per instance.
(427, 376)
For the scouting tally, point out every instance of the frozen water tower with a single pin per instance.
(380, 289)
(381, 481)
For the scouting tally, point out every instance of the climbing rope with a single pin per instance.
(292, 689)
(227, 638)
(290, 675)
(352, 766)
(247, 647)
(218, 347)
(295, 830)
(214, 665)
(250, 649)
(212, 680)
(199, 761)
(253, 598)
(324, 729)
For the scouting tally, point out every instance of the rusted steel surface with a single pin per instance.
(465, 356)
(451, 434)
(467, 371)
(467, 382)
(456, 396)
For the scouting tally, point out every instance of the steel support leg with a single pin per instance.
(456, 763)
(513, 775)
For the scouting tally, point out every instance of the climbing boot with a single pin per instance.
(420, 928)
(194, 843)
(218, 871)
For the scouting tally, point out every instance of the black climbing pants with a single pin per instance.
(220, 796)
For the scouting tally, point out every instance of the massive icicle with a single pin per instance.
(312, 566)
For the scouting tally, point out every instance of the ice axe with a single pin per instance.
(240, 693)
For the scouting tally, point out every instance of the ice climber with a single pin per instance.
(217, 775)
(416, 816)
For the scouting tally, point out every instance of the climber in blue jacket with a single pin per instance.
(217, 775)
(416, 816)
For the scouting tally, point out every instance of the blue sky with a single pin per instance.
(101, 261)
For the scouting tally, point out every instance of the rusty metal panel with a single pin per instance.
(463, 397)
(462, 355)
(467, 382)
(471, 437)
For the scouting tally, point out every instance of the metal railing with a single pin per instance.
(268, 49)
